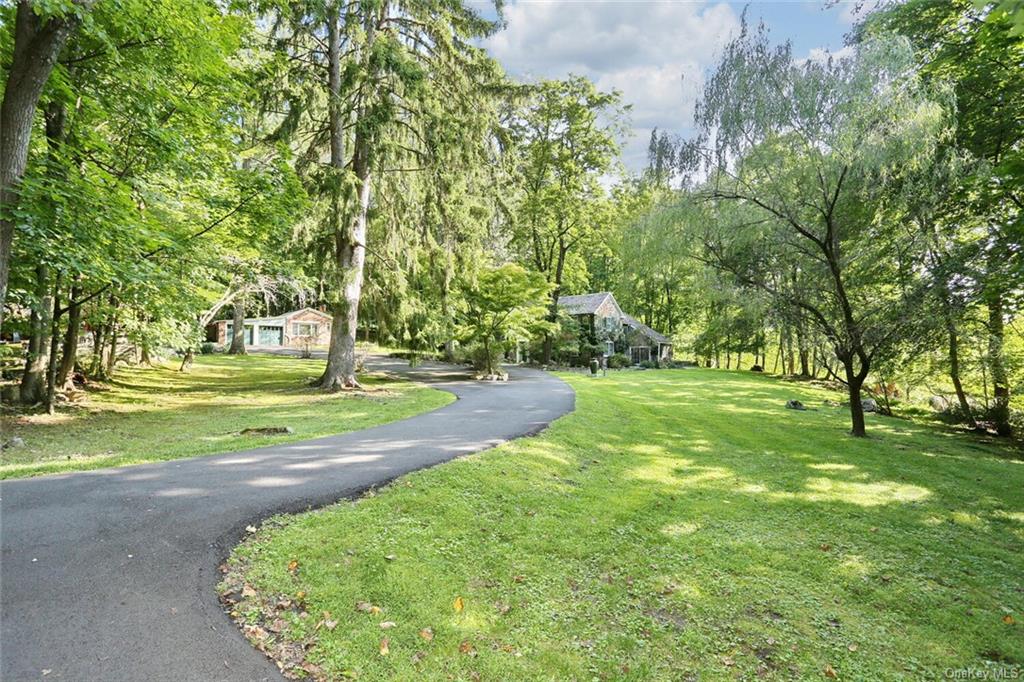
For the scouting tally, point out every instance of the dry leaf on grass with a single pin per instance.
(830, 672)
(385, 648)
(458, 605)
(367, 607)
(427, 634)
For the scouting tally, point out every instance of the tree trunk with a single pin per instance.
(854, 381)
(33, 381)
(112, 338)
(51, 369)
(238, 327)
(1000, 388)
(37, 44)
(350, 234)
(186, 362)
(954, 373)
(69, 352)
(556, 293)
(98, 339)
(341, 357)
(788, 364)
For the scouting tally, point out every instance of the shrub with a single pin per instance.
(649, 364)
(208, 348)
(617, 361)
(478, 356)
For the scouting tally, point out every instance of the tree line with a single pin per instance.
(860, 214)
(167, 163)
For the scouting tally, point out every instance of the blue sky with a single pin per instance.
(656, 52)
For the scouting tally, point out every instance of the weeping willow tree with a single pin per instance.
(803, 162)
(389, 106)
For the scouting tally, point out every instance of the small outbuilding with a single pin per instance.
(295, 329)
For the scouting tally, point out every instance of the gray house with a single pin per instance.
(601, 315)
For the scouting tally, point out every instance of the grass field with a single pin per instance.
(150, 414)
(679, 525)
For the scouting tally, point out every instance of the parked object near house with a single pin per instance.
(295, 329)
(600, 316)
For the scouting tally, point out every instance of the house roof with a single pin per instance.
(644, 329)
(280, 320)
(584, 304)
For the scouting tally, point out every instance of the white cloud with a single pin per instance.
(821, 54)
(654, 52)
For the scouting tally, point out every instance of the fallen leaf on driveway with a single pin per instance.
(250, 529)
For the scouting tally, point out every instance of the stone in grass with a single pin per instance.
(266, 431)
(14, 443)
(869, 405)
(795, 405)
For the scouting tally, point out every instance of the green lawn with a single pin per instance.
(150, 414)
(679, 525)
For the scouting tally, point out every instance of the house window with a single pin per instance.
(638, 354)
(304, 329)
(609, 348)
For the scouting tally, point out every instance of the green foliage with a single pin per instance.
(618, 361)
(564, 138)
(503, 306)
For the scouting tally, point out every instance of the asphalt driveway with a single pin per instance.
(110, 574)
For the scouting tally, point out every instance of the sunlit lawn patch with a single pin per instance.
(150, 414)
(678, 524)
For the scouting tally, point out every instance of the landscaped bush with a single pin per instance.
(208, 348)
(649, 364)
(617, 361)
(478, 356)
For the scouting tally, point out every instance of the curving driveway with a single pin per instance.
(110, 575)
